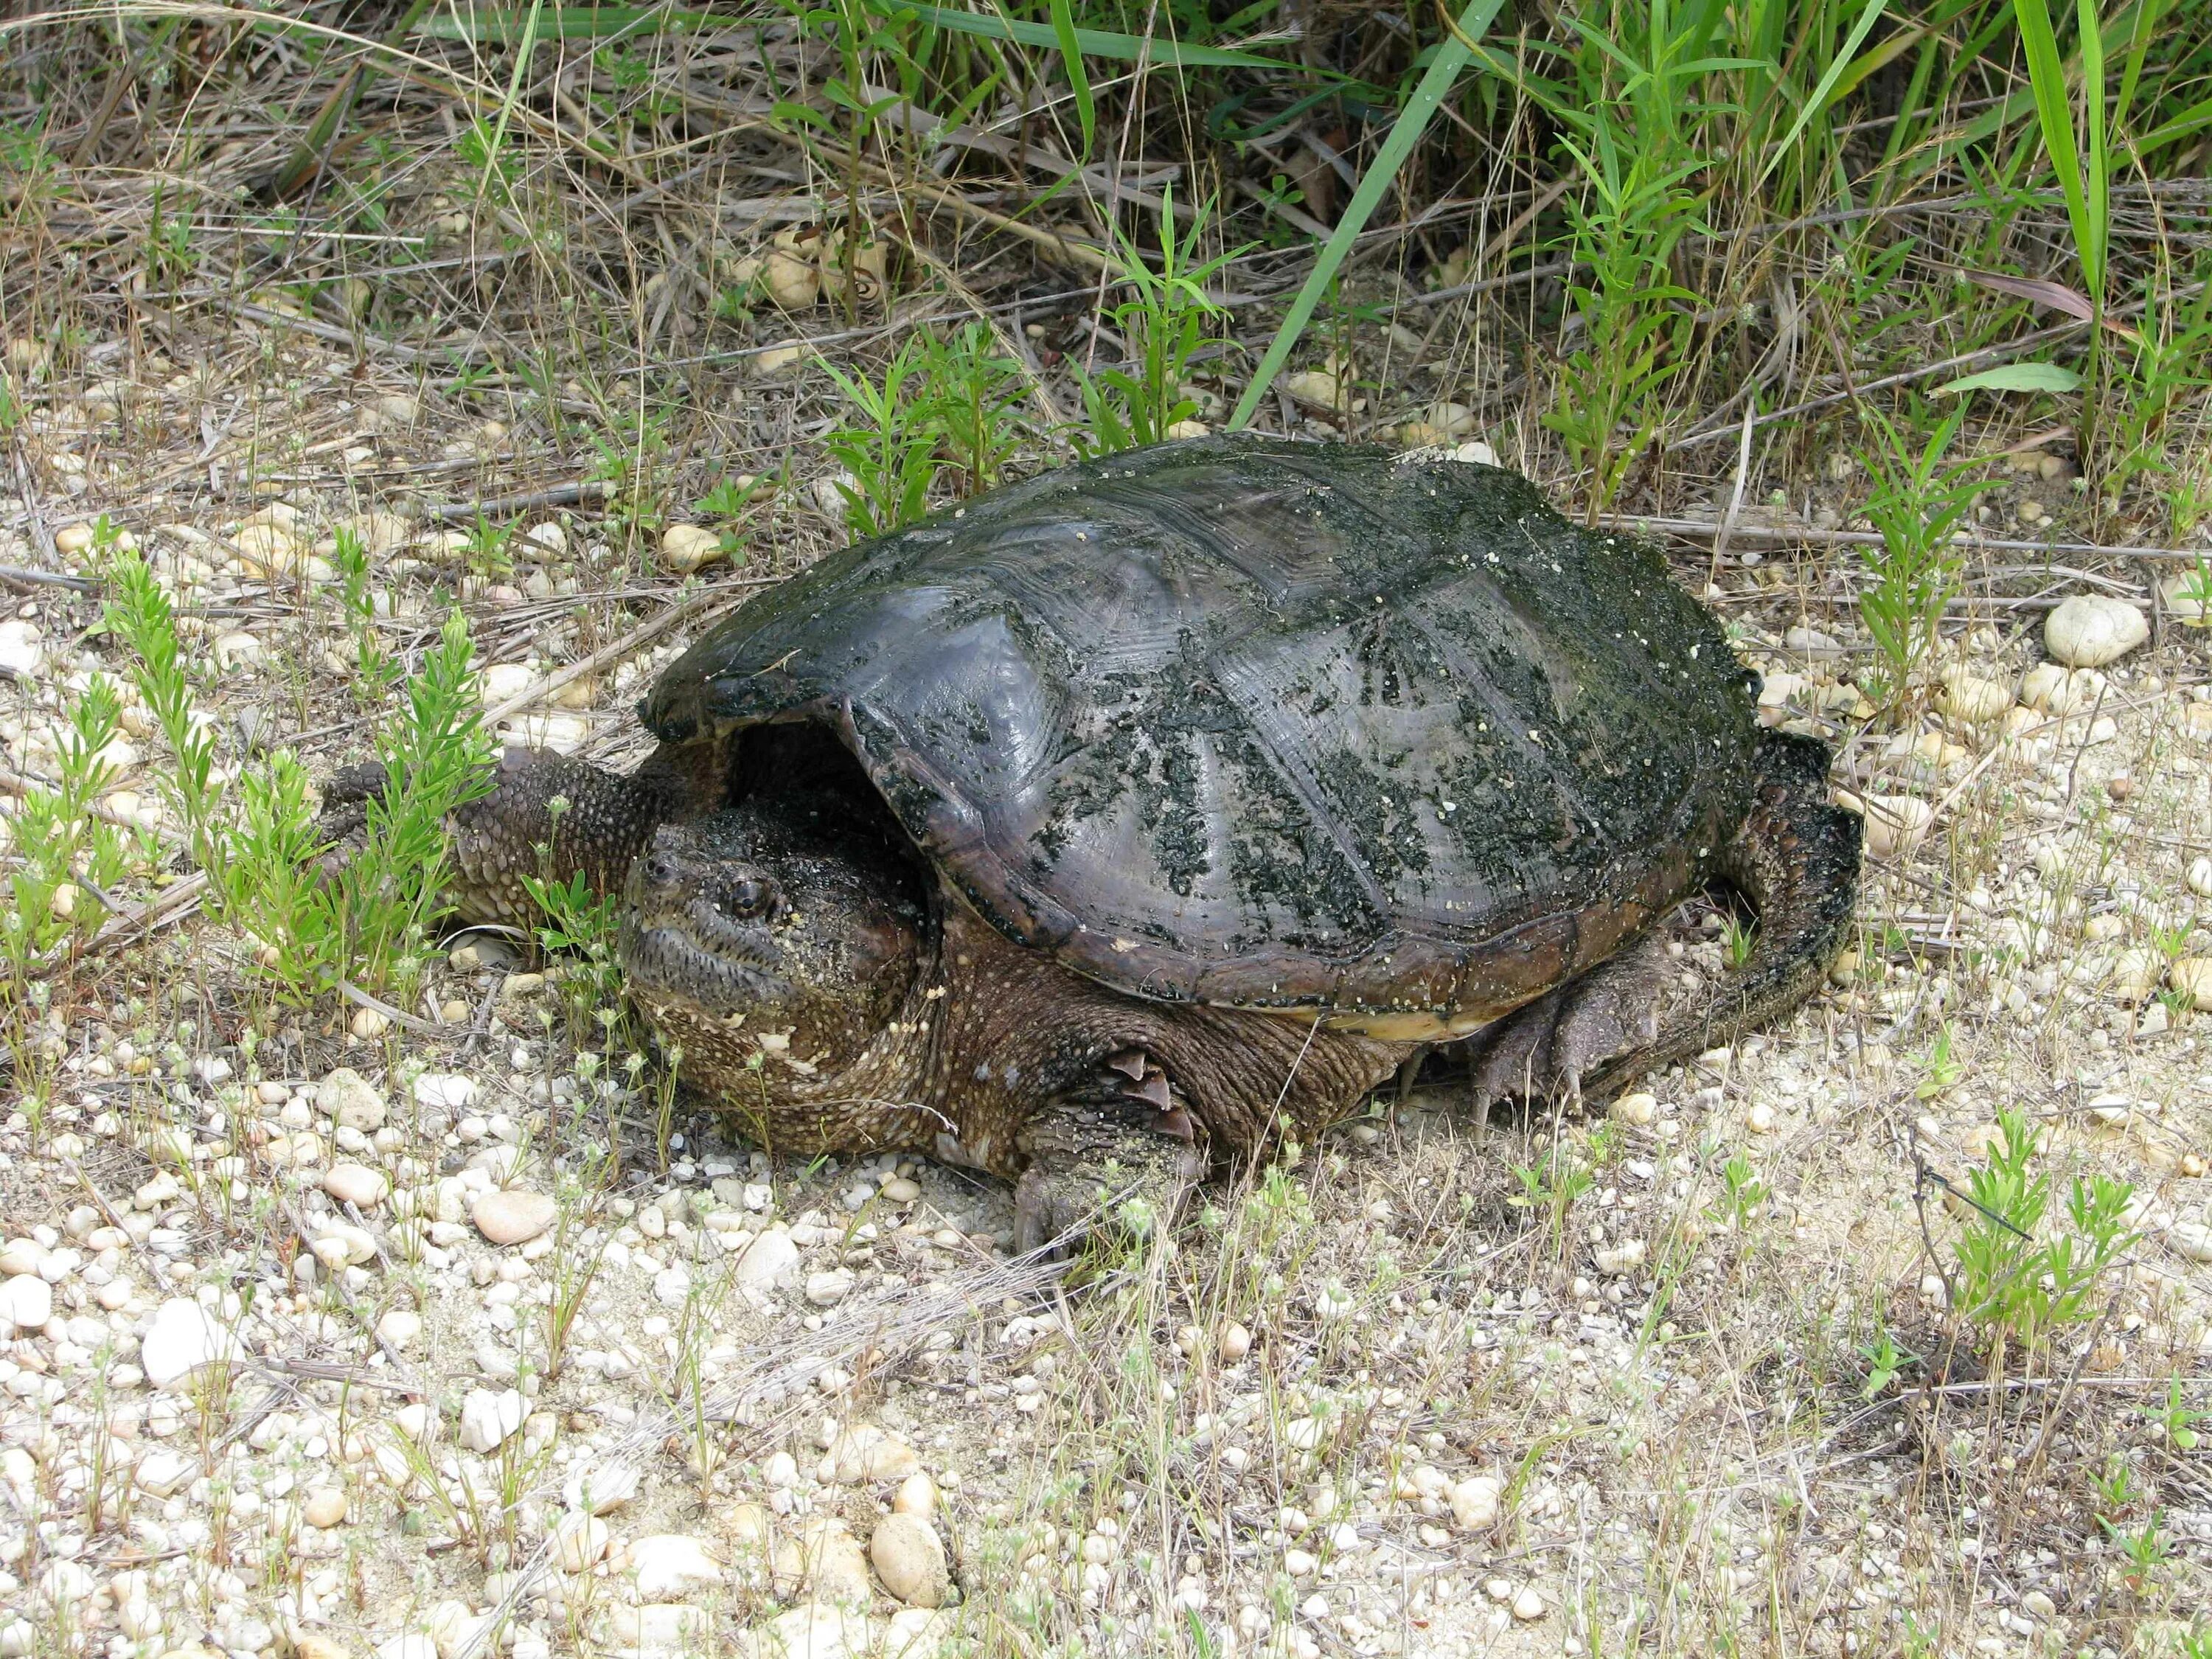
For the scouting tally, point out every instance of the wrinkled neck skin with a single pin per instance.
(986, 1034)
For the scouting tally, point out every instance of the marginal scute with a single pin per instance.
(1269, 725)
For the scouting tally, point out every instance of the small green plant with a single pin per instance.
(584, 926)
(1550, 1185)
(1941, 1068)
(1885, 1360)
(1918, 502)
(374, 669)
(2177, 1420)
(890, 452)
(1738, 936)
(141, 616)
(1741, 1193)
(1163, 325)
(490, 554)
(2018, 1288)
(973, 391)
(2145, 1546)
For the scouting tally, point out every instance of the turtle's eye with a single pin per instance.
(749, 895)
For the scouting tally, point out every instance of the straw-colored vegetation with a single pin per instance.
(385, 382)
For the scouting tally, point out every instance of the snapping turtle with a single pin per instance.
(1163, 804)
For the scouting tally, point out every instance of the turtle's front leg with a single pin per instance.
(1117, 1153)
(585, 817)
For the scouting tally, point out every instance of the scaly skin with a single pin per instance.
(822, 984)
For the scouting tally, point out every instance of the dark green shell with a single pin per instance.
(1269, 724)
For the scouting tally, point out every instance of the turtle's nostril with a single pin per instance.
(660, 871)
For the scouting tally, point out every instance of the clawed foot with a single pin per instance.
(1113, 1157)
(1554, 1047)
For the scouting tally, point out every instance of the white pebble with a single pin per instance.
(2088, 630)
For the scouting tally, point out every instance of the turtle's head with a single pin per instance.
(782, 937)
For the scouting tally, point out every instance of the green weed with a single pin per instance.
(2019, 1288)
(1163, 325)
(1918, 502)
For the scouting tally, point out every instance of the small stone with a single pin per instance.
(325, 1507)
(1474, 1501)
(1759, 1119)
(2192, 977)
(686, 547)
(1638, 1109)
(2135, 975)
(508, 1215)
(2199, 877)
(827, 1290)
(342, 1245)
(354, 1103)
(237, 650)
(356, 1184)
(369, 1024)
(1529, 1605)
(670, 1566)
(899, 1190)
(917, 1495)
(910, 1560)
(767, 1261)
(1973, 700)
(601, 1488)
(184, 1337)
(663, 1631)
(1316, 387)
(162, 1473)
(819, 1630)
(2192, 1238)
(1615, 1260)
(400, 1326)
(1896, 823)
(21, 647)
(445, 1090)
(21, 1255)
(2088, 630)
(579, 1541)
(26, 1301)
(487, 1419)
(1236, 1342)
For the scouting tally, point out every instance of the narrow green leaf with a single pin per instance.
(2096, 222)
(2054, 113)
(1405, 132)
(2017, 377)
(1826, 89)
(1078, 79)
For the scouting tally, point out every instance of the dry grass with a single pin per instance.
(1772, 1431)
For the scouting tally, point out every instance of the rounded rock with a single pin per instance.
(2088, 630)
(1972, 701)
(346, 1096)
(2192, 977)
(909, 1558)
(1529, 1605)
(916, 1496)
(325, 1507)
(509, 1215)
(1896, 823)
(686, 547)
(1474, 1501)
(26, 1301)
(356, 1184)
(671, 1566)
(1236, 1342)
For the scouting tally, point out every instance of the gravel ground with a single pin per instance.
(336, 1337)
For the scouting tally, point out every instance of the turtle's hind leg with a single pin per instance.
(1795, 858)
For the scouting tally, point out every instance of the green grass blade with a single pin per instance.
(2054, 113)
(1078, 79)
(1405, 133)
(504, 25)
(2096, 224)
(1826, 89)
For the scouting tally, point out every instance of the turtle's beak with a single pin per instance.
(700, 925)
